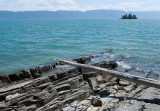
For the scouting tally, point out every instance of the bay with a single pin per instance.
(133, 43)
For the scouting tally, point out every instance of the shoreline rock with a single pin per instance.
(26, 74)
(77, 90)
(62, 88)
(39, 71)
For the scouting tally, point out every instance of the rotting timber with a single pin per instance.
(121, 75)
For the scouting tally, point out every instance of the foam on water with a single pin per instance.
(123, 65)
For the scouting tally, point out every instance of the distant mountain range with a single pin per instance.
(91, 14)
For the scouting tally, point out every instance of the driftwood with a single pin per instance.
(126, 76)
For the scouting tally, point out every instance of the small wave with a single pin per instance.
(59, 69)
(109, 50)
(123, 65)
(102, 57)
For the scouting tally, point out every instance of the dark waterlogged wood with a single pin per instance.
(126, 76)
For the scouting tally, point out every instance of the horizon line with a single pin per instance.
(81, 10)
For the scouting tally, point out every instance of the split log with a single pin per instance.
(126, 76)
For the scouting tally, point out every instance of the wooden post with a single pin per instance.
(126, 76)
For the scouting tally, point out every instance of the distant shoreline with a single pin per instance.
(90, 14)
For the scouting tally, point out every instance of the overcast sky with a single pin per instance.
(83, 5)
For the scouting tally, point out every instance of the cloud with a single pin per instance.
(127, 6)
(117, 6)
(53, 5)
(137, 6)
(32, 5)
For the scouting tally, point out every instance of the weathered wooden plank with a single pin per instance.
(126, 76)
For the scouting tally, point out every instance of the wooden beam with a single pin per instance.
(126, 76)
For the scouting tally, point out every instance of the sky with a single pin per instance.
(82, 5)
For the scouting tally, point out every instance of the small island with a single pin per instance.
(129, 16)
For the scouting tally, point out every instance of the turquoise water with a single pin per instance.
(25, 43)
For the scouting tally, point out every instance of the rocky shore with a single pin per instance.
(74, 90)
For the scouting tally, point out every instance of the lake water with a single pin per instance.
(132, 43)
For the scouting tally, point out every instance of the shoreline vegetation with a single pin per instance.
(75, 89)
(129, 16)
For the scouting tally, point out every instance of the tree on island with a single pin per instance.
(129, 16)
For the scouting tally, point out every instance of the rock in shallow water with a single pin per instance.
(46, 68)
(5, 79)
(108, 65)
(35, 72)
(25, 74)
(14, 77)
(83, 60)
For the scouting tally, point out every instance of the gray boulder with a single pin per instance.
(95, 101)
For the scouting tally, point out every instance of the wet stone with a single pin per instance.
(107, 65)
(5, 79)
(25, 74)
(46, 68)
(14, 77)
(35, 72)
(83, 60)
